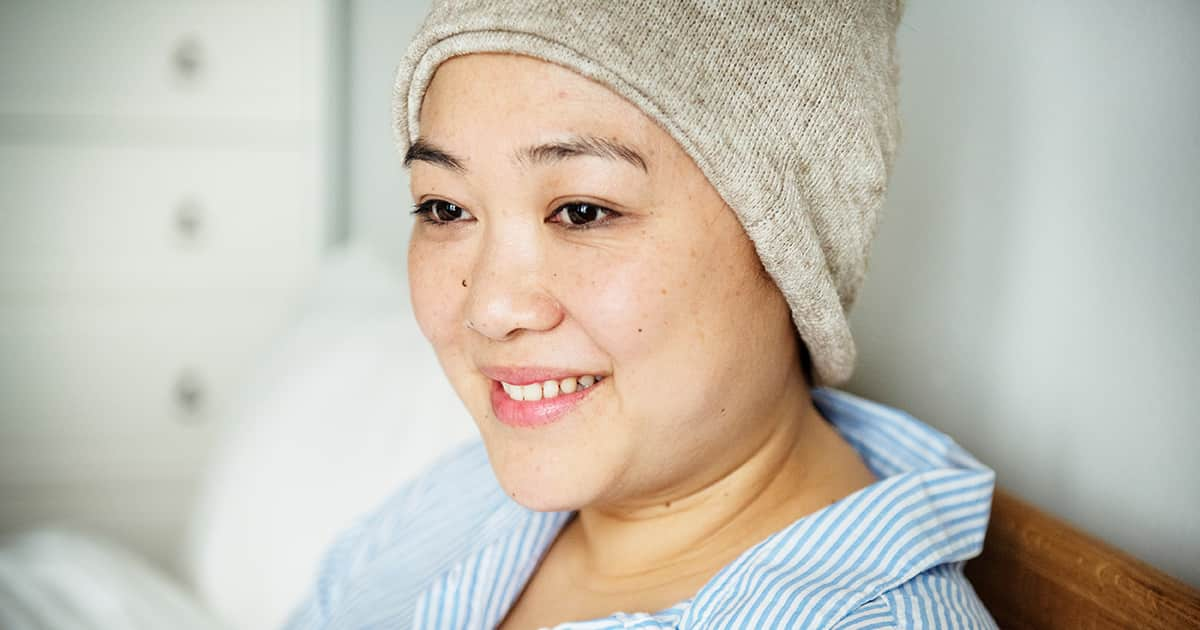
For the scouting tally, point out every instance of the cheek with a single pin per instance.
(435, 277)
(669, 295)
(625, 304)
(685, 315)
(619, 309)
(647, 310)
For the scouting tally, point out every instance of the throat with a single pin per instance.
(567, 587)
(687, 538)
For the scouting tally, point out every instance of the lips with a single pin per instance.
(531, 397)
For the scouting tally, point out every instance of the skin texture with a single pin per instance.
(702, 439)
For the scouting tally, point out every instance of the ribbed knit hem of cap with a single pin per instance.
(797, 270)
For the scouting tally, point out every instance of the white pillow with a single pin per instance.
(350, 404)
(56, 579)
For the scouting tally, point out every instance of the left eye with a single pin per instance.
(439, 211)
(582, 214)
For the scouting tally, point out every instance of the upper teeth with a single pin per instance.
(549, 389)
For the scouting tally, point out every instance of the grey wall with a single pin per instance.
(1034, 290)
(376, 186)
(1035, 287)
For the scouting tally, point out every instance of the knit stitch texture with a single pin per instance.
(788, 107)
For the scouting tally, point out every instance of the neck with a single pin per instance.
(798, 468)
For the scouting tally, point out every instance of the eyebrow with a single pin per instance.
(423, 151)
(581, 145)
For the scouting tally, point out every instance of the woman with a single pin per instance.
(639, 228)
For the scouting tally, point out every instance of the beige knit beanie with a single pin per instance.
(787, 106)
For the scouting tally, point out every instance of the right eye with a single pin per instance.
(441, 212)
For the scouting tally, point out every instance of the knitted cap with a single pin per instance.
(788, 107)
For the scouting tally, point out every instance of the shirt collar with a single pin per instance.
(930, 506)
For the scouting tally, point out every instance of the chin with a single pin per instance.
(545, 480)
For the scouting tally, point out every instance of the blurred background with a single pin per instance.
(207, 361)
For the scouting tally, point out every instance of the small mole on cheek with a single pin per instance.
(639, 330)
(668, 504)
(464, 283)
(664, 291)
(722, 411)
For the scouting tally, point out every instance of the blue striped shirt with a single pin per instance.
(451, 550)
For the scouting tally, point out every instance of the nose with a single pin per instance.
(507, 293)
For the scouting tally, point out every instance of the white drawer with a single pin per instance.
(167, 454)
(257, 59)
(84, 218)
(150, 375)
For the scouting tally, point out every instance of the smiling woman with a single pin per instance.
(626, 262)
(581, 264)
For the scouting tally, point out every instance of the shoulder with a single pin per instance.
(450, 495)
(380, 564)
(940, 597)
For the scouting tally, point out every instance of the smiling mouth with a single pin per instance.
(540, 402)
(548, 390)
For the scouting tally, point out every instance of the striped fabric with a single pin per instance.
(450, 550)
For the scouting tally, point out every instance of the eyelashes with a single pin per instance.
(441, 212)
(582, 215)
(575, 215)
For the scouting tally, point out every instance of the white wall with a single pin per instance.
(1035, 287)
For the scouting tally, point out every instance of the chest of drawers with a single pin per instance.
(164, 198)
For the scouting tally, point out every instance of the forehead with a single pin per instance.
(499, 99)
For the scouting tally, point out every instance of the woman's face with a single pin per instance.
(563, 235)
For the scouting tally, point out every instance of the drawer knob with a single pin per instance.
(187, 60)
(189, 221)
(190, 395)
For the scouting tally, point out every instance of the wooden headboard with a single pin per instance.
(1038, 572)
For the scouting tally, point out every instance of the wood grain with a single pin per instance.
(1039, 572)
